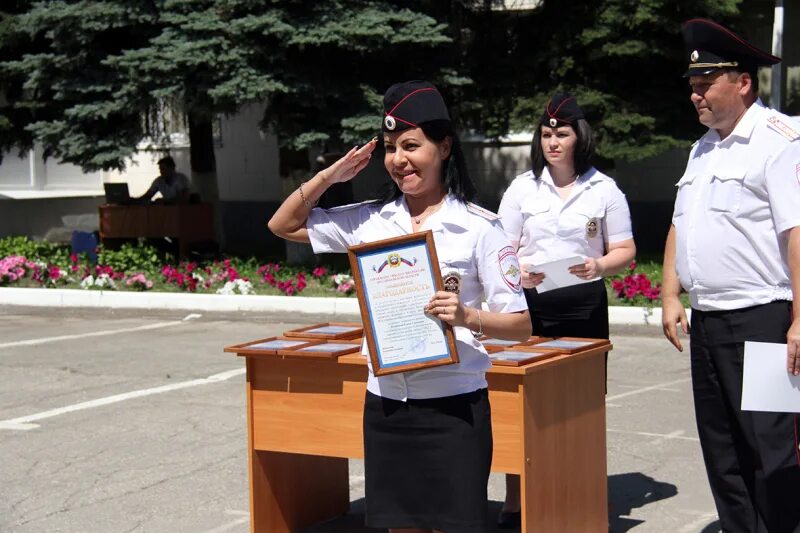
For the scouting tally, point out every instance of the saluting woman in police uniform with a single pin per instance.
(564, 207)
(427, 433)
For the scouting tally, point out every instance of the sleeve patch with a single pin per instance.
(509, 268)
(784, 129)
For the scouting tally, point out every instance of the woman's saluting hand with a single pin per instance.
(350, 163)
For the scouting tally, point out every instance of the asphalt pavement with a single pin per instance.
(135, 421)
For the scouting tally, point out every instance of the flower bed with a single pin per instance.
(25, 263)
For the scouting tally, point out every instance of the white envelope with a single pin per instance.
(556, 273)
(766, 384)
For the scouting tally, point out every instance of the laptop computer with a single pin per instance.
(117, 194)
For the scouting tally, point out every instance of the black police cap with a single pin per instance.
(411, 103)
(561, 110)
(712, 46)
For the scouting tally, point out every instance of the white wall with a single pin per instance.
(15, 171)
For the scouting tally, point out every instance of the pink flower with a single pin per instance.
(345, 287)
(319, 272)
(653, 293)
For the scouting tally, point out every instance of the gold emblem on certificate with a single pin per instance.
(591, 228)
(452, 282)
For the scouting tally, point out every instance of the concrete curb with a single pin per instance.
(332, 307)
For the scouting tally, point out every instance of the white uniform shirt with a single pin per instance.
(547, 228)
(735, 202)
(470, 241)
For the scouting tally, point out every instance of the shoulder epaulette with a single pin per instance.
(347, 207)
(481, 212)
(783, 128)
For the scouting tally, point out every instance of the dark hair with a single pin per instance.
(166, 161)
(581, 158)
(454, 169)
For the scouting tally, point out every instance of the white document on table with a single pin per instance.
(766, 384)
(556, 273)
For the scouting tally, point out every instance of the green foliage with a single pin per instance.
(37, 251)
(622, 59)
(88, 79)
(132, 258)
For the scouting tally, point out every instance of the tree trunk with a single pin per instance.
(204, 167)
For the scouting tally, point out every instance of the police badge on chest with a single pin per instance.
(452, 282)
(591, 228)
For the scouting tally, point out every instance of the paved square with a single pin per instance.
(135, 421)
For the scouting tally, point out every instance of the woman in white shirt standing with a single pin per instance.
(564, 207)
(427, 433)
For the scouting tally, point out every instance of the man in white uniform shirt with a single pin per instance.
(735, 247)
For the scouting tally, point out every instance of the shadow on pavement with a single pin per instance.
(353, 522)
(626, 492)
(630, 491)
(713, 527)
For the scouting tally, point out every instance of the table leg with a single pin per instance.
(564, 486)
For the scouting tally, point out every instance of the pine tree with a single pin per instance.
(85, 78)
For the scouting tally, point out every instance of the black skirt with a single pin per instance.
(576, 311)
(426, 462)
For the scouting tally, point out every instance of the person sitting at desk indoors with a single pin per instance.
(174, 187)
(427, 433)
(564, 207)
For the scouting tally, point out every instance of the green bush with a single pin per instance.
(132, 258)
(37, 251)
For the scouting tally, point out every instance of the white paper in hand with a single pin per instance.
(556, 273)
(766, 384)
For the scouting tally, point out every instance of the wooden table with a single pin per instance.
(304, 420)
(188, 223)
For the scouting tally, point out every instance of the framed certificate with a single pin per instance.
(395, 278)
(571, 344)
(270, 345)
(328, 330)
(522, 355)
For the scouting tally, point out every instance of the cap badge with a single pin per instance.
(553, 122)
(695, 55)
(390, 122)
(591, 228)
(452, 282)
